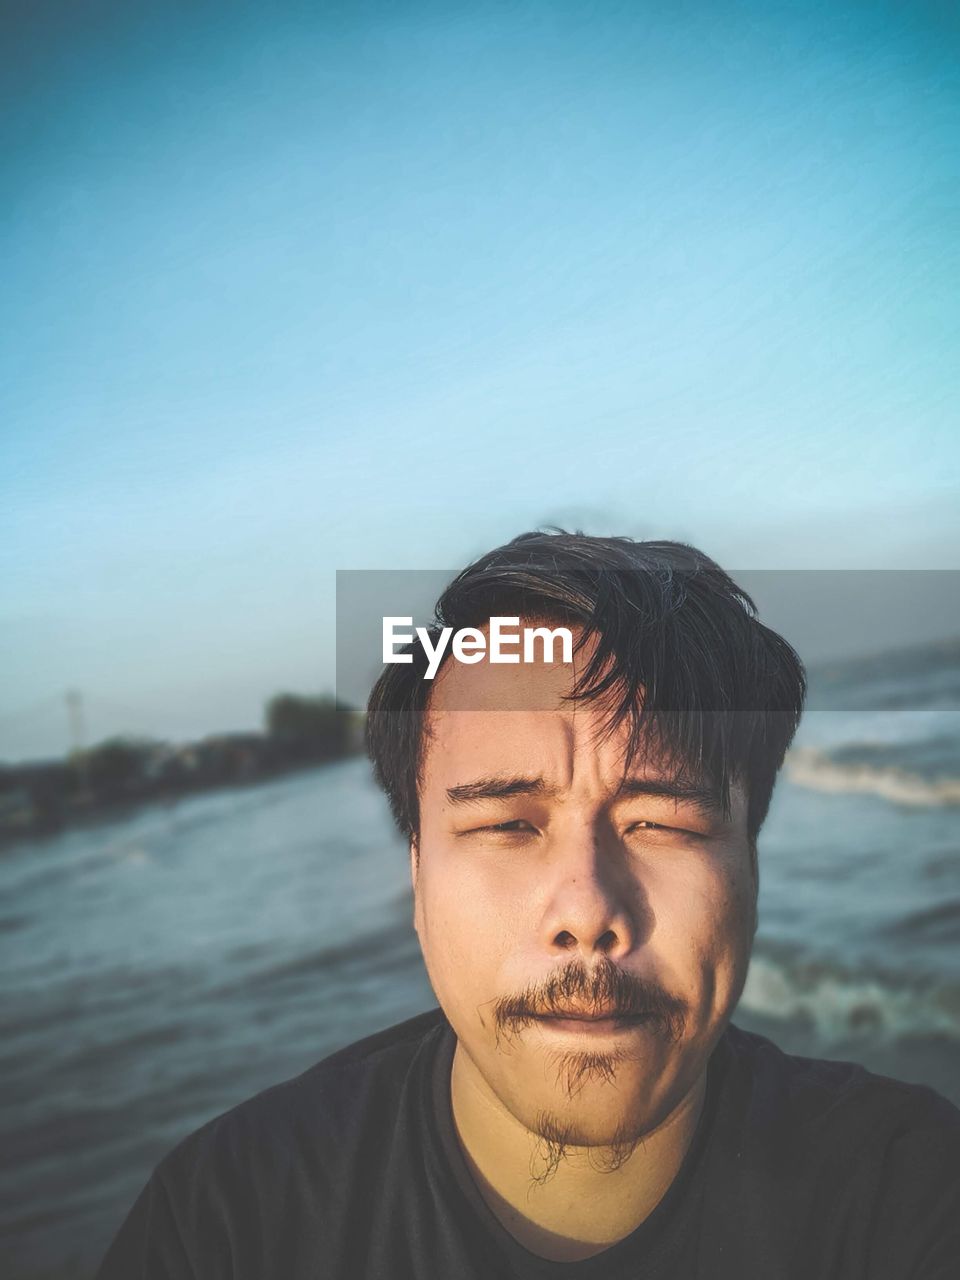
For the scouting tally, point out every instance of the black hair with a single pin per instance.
(680, 657)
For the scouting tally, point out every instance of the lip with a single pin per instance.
(584, 1025)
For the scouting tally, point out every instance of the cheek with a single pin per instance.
(467, 927)
(704, 922)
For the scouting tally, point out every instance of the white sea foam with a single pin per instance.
(843, 1005)
(814, 768)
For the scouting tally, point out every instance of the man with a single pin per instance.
(583, 853)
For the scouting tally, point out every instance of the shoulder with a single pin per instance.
(840, 1105)
(319, 1110)
(854, 1172)
(814, 1088)
(272, 1175)
(822, 1082)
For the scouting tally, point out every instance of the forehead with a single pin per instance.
(490, 717)
(492, 720)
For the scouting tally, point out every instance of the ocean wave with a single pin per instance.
(816, 769)
(918, 676)
(940, 921)
(840, 1005)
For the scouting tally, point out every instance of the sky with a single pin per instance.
(293, 289)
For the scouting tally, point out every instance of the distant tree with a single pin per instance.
(34, 794)
(115, 767)
(310, 728)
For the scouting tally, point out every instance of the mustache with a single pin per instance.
(606, 988)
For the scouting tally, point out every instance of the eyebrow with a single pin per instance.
(499, 787)
(704, 799)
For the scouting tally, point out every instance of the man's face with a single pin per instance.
(543, 886)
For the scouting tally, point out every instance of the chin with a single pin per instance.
(597, 1113)
(604, 1138)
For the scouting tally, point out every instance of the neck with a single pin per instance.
(581, 1209)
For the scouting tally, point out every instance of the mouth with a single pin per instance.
(592, 1023)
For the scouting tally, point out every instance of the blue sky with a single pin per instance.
(289, 289)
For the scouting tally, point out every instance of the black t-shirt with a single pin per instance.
(799, 1169)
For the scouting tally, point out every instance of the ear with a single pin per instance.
(414, 861)
(414, 873)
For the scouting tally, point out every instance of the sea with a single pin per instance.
(164, 963)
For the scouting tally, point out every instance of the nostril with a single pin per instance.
(566, 939)
(607, 940)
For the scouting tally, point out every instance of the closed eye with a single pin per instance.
(647, 825)
(515, 827)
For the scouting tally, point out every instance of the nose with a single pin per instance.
(595, 905)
